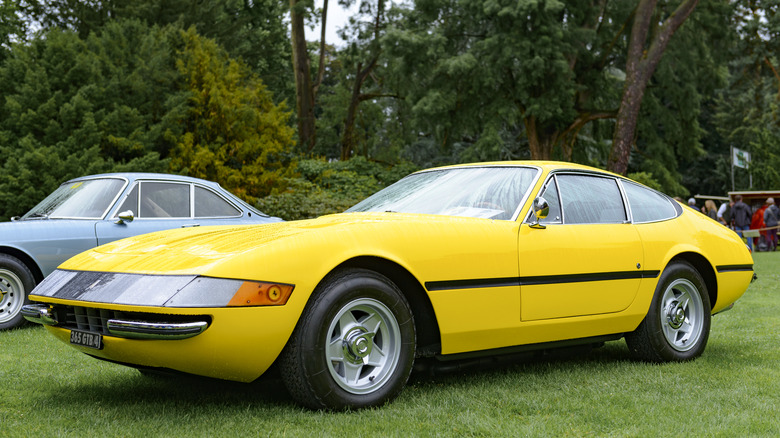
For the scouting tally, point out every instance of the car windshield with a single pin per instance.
(484, 192)
(89, 199)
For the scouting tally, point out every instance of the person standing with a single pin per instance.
(771, 215)
(741, 213)
(711, 210)
(724, 213)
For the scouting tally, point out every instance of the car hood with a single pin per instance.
(279, 251)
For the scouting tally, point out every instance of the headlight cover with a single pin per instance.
(161, 290)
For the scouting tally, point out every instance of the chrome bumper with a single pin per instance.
(45, 314)
(155, 330)
(39, 314)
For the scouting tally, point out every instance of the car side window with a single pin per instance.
(162, 199)
(550, 194)
(209, 204)
(589, 199)
(131, 202)
(648, 205)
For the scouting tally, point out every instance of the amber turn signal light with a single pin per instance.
(252, 293)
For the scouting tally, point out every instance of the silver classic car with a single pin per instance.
(92, 210)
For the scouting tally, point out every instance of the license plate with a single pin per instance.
(86, 339)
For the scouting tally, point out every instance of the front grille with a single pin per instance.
(95, 320)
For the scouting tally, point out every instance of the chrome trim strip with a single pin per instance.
(39, 314)
(155, 330)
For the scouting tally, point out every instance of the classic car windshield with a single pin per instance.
(484, 192)
(89, 199)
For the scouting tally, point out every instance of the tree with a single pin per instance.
(304, 88)
(365, 60)
(746, 112)
(506, 76)
(11, 27)
(130, 97)
(233, 132)
(642, 59)
(73, 107)
(254, 31)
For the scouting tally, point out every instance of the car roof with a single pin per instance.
(546, 165)
(132, 176)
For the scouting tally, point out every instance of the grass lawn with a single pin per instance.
(48, 389)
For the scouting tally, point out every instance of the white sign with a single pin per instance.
(740, 158)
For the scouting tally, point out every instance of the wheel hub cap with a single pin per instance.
(357, 344)
(675, 315)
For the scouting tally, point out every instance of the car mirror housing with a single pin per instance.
(541, 210)
(124, 217)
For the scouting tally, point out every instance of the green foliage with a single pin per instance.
(648, 180)
(325, 187)
(73, 107)
(231, 130)
(128, 98)
(252, 30)
(11, 27)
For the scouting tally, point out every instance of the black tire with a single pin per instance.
(354, 344)
(16, 282)
(677, 325)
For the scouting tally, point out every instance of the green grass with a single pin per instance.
(48, 389)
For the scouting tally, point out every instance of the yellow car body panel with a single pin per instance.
(244, 358)
(491, 283)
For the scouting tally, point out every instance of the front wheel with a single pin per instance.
(353, 346)
(677, 325)
(16, 281)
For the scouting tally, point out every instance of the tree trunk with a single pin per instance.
(540, 143)
(640, 66)
(304, 93)
(348, 139)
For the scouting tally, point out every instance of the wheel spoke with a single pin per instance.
(346, 322)
(686, 328)
(372, 323)
(336, 350)
(352, 372)
(377, 357)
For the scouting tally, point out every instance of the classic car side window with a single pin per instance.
(162, 199)
(648, 205)
(550, 194)
(209, 204)
(130, 203)
(590, 199)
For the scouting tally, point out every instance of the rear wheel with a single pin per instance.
(677, 325)
(353, 346)
(16, 281)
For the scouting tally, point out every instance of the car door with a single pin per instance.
(587, 259)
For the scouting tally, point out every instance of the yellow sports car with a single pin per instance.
(448, 263)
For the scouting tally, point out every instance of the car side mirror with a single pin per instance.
(541, 210)
(124, 217)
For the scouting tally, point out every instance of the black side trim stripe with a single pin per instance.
(734, 268)
(538, 280)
